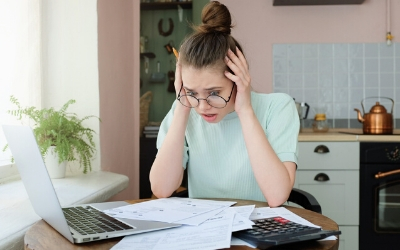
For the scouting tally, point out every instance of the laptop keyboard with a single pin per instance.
(88, 220)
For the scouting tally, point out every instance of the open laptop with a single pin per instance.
(43, 197)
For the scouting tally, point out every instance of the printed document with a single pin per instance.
(215, 233)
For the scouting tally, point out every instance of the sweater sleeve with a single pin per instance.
(282, 127)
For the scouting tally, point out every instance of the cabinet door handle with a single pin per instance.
(321, 177)
(321, 149)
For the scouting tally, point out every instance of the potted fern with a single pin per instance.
(60, 133)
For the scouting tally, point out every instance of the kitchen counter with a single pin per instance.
(346, 135)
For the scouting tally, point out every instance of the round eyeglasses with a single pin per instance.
(215, 101)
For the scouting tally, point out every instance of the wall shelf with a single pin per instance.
(165, 5)
(147, 54)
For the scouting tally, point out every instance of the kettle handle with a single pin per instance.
(304, 104)
(362, 102)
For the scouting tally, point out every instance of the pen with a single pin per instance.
(176, 53)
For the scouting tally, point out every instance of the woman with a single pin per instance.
(235, 143)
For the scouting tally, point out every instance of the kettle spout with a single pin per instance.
(360, 118)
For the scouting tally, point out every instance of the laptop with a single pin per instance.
(68, 221)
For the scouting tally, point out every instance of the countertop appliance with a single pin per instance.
(378, 120)
(379, 195)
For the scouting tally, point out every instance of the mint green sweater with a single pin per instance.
(215, 155)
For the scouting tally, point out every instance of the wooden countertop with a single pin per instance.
(346, 135)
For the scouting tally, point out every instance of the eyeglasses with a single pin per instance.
(213, 100)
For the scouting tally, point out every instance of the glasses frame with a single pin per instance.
(205, 99)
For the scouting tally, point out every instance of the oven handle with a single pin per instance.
(381, 175)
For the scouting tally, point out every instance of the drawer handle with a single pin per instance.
(321, 177)
(321, 149)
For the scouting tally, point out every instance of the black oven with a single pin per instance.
(379, 195)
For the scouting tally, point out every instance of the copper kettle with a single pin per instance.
(378, 121)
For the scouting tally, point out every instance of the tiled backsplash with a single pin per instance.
(338, 77)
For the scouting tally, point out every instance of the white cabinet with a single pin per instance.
(330, 172)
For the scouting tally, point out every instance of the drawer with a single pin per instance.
(338, 196)
(329, 155)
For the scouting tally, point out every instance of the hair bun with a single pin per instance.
(215, 17)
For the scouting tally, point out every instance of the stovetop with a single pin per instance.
(360, 132)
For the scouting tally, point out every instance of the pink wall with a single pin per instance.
(118, 31)
(259, 25)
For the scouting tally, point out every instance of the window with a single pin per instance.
(20, 62)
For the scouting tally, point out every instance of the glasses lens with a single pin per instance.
(216, 101)
(189, 101)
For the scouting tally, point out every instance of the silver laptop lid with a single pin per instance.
(35, 177)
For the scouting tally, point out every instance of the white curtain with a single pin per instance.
(20, 60)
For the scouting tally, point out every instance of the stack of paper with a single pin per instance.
(206, 224)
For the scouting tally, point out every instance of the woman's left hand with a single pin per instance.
(241, 78)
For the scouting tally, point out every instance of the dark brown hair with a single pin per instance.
(210, 41)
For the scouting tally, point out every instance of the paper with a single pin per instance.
(215, 233)
(171, 210)
(241, 220)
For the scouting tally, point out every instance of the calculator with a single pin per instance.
(274, 231)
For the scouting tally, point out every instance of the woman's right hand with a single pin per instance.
(180, 91)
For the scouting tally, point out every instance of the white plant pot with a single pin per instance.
(56, 170)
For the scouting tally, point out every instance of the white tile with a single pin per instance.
(325, 65)
(340, 95)
(340, 80)
(356, 95)
(280, 81)
(371, 65)
(397, 111)
(386, 80)
(280, 65)
(295, 65)
(340, 50)
(310, 80)
(295, 50)
(356, 80)
(295, 81)
(356, 65)
(385, 50)
(371, 50)
(325, 95)
(386, 65)
(370, 92)
(371, 80)
(310, 65)
(297, 94)
(397, 95)
(340, 65)
(397, 49)
(310, 50)
(397, 64)
(311, 95)
(325, 50)
(279, 50)
(325, 80)
(356, 50)
(387, 92)
(341, 111)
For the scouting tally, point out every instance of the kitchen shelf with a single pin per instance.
(165, 5)
(147, 54)
(314, 2)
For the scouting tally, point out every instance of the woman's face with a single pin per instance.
(202, 83)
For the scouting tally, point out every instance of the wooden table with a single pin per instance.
(43, 236)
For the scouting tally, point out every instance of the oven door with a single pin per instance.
(379, 206)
